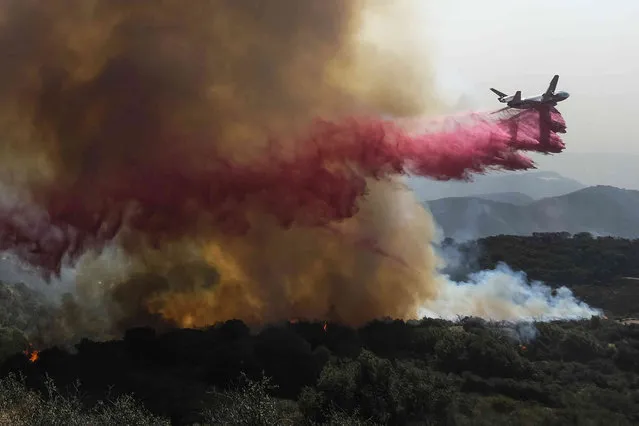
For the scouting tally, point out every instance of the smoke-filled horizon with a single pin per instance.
(227, 159)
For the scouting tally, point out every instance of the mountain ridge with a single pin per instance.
(601, 210)
(533, 184)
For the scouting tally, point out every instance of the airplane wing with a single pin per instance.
(500, 110)
(552, 86)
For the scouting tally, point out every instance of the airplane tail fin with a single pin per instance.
(498, 93)
(517, 97)
(552, 86)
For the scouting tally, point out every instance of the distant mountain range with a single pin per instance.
(535, 185)
(516, 198)
(594, 168)
(600, 210)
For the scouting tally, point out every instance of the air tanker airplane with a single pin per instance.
(550, 98)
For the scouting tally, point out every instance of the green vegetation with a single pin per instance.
(20, 406)
(429, 372)
(559, 258)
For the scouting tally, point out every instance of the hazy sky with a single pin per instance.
(521, 44)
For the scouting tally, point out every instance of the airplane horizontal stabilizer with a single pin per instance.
(498, 93)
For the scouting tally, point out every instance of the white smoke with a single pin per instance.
(505, 295)
(521, 332)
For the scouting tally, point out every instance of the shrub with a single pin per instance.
(250, 403)
(20, 406)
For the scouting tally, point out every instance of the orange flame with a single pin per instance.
(31, 353)
(325, 327)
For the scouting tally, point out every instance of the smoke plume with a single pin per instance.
(226, 159)
(504, 295)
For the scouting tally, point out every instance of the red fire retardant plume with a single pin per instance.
(317, 185)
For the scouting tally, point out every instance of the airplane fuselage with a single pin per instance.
(535, 101)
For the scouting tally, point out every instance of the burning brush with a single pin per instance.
(31, 353)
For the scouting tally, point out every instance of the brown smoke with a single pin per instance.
(89, 87)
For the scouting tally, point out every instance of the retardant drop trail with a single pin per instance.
(319, 183)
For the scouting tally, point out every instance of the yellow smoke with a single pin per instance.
(272, 275)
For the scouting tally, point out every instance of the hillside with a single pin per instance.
(600, 210)
(533, 184)
(429, 372)
(387, 372)
(508, 197)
